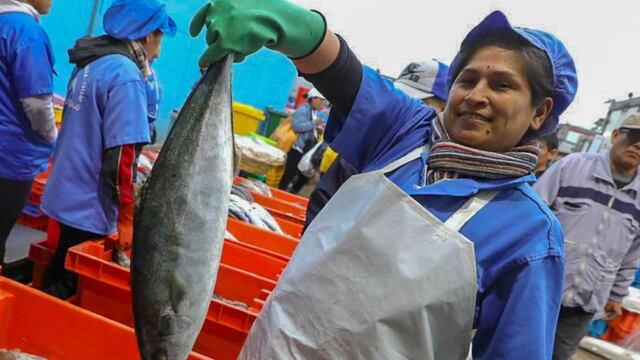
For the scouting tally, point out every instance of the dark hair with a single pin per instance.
(144, 38)
(550, 141)
(537, 66)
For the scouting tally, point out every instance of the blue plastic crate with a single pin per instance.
(597, 328)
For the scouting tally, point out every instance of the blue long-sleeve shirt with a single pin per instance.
(517, 239)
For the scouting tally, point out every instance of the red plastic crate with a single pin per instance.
(290, 198)
(621, 327)
(269, 241)
(38, 223)
(41, 325)
(266, 253)
(240, 256)
(104, 289)
(291, 228)
(40, 181)
(37, 188)
(92, 259)
(278, 194)
(41, 255)
(281, 209)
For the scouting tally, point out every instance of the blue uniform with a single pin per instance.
(154, 94)
(106, 107)
(518, 240)
(26, 70)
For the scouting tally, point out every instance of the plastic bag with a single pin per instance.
(316, 158)
(632, 342)
(305, 165)
(257, 150)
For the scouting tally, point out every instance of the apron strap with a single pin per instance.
(470, 209)
(405, 159)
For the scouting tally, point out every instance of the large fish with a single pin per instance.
(180, 227)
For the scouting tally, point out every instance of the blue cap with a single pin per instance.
(135, 19)
(440, 88)
(564, 70)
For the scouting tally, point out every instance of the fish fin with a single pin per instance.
(179, 294)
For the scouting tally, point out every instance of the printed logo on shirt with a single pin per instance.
(74, 102)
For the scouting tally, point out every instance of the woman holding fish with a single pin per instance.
(439, 241)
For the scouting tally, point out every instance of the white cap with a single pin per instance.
(315, 93)
(423, 80)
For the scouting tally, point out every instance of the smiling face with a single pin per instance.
(489, 105)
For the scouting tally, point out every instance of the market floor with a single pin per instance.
(585, 355)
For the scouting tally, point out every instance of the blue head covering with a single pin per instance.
(440, 88)
(564, 70)
(135, 19)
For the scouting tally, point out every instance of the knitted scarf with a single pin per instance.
(140, 57)
(448, 160)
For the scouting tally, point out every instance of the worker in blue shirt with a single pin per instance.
(154, 94)
(305, 124)
(383, 272)
(105, 125)
(425, 81)
(27, 123)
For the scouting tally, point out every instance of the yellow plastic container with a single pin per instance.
(327, 160)
(57, 112)
(275, 175)
(246, 118)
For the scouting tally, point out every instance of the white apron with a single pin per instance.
(376, 276)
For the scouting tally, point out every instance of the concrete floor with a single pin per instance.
(308, 188)
(585, 355)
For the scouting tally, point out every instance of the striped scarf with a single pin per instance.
(448, 160)
(140, 57)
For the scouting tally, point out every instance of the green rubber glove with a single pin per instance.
(243, 27)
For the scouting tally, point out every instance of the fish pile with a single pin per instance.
(243, 208)
(256, 186)
(180, 226)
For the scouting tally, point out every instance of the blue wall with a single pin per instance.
(262, 80)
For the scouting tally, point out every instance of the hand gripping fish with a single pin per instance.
(180, 227)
